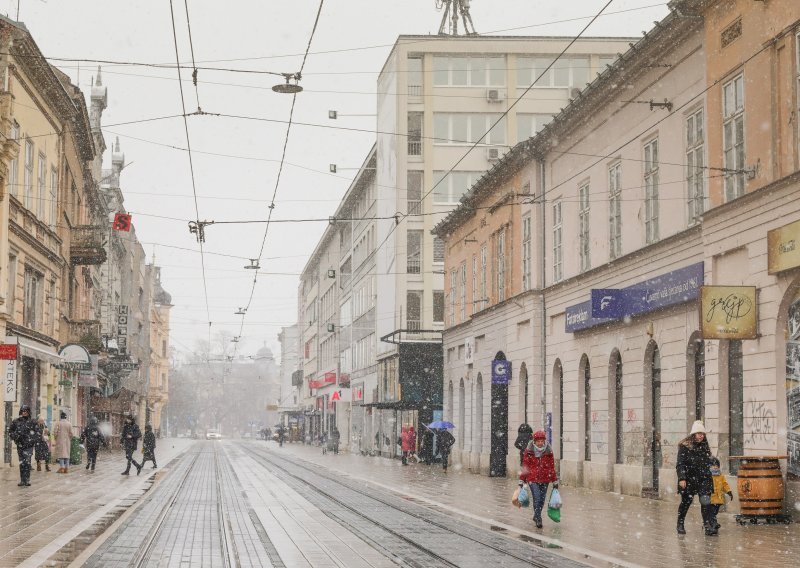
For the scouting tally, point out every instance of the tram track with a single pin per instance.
(406, 532)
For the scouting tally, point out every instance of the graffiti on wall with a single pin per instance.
(761, 422)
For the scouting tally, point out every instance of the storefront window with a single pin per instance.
(735, 402)
(793, 389)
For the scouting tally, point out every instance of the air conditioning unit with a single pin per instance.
(493, 154)
(495, 95)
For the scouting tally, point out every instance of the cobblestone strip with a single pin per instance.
(417, 535)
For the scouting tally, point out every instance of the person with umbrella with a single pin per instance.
(445, 439)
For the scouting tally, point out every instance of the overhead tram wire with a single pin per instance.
(280, 171)
(191, 49)
(191, 166)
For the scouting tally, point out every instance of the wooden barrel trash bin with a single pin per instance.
(761, 489)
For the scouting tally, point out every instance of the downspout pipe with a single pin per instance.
(542, 280)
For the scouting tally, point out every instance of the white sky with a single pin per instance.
(259, 35)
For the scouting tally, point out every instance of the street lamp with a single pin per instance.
(287, 87)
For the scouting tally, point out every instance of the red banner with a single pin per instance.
(122, 222)
(8, 352)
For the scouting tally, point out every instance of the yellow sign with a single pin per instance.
(783, 248)
(728, 312)
(272, 407)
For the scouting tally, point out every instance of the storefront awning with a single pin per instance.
(35, 349)
(403, 405)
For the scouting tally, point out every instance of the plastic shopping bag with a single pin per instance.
(524, 497)
(554, 514)
(515, 497)
(555, 499)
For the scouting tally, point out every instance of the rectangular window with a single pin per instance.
(472, 71)
(53, 198)
(32, 306)
(501, 266)
(438, 249)
(414, 252)
(651, 191)
(583, 223)
(464, 128)
(12, 284)
(13, 174)
(474, 307)
(28, 181)
(415, 77)
(414, 189)
(530, 124)
(733, 137)
(414, 309)
(452, 297)
(52, 302)
(558, 265)
(41, 195)
(563, 71)
(695, 162)
(463, 289)
(615, 210)
(450, 187)
(735, 402)
(484, 298)
(414, 133)
(438, 306)
(526, 253)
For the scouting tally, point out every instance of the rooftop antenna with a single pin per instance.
(452, 10)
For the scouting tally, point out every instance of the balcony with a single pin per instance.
(86, 333)
(87, 245)
(414, 145)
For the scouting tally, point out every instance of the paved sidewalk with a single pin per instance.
(37, 521)
(604, 526)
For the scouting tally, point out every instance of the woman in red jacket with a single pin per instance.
(538, 471)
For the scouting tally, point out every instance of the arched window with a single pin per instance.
(558, 389)
(461, 411)
(478, 432)
(449, 415)
(615, 373)
(586, 384)
(524, 393)
(652, 376)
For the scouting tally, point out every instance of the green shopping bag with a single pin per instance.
(554, 506)
(554, 514)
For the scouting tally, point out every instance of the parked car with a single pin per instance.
(213, 435)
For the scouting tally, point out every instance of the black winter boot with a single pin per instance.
(681, 528)
(710, 530)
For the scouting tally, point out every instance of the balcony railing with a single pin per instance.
(414, 206)
(87, 245)
(413, 265)
(414, 147)
(415, 90)
(86, 333)
(413, 324)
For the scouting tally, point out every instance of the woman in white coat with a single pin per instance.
(63, 439)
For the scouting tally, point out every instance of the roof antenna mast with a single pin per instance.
(452, 9)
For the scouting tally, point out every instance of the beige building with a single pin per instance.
(658, 202)
(159, 368)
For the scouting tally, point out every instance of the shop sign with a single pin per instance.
(272, 407)
(122, 329)
(358, 392)
(75, 358)
(8, 352)
(783, 248)
(469, 350)
(342, 395)
(666, 290)
(617, 303)
(501, 372)
(728, 312)
(10, 381)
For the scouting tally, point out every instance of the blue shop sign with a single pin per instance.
(672, 288)
(501, 372)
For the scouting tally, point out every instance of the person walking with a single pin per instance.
(130, 439)
(92, 438)
(335, 437)
(63, 440)
(149, 445)
(24, 433)
(42, 448)
(445, 442)
(538, 471)
(408, 442)
(524, 436)
(721, 488)
(694, 477)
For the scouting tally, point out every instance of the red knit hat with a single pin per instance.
(539, 435)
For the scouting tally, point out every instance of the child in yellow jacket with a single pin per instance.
(721, 487)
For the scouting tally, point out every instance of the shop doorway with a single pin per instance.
(29, 384)
(653, 374)
(793, 389)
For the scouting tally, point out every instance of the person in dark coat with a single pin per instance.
(538, 471)
(42, 446)
(24, 432)
(524, 436)
(445, 441)
(130, 439)
(427, 451)
(694, 477)
(335, 437)
(149, 444)
(92, 438)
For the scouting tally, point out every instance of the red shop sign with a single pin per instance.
(8, 352)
